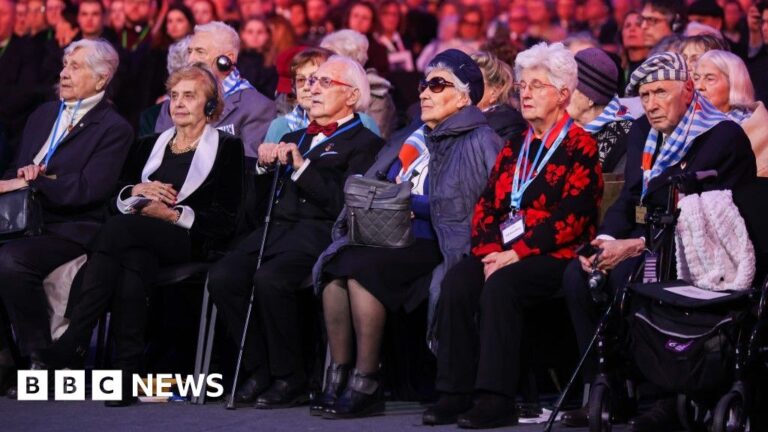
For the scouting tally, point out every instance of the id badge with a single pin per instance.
(640, 213)
(512, 229)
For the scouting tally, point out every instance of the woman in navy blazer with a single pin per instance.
(71, 153)
(181, 194)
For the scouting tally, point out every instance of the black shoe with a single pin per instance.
(447, 409)
(362, 398)
(250, 389)
(575, 418)
(282, 394)
(336, 377)
(125, 401)
(661, 417)
(489, 411)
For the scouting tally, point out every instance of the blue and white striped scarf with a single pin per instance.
(700, 117)
(234, 83)
(614, 111)
(297, 119)
(739, 114)
(416, 141)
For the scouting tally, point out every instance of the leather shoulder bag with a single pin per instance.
(20, 214)
(378, 212)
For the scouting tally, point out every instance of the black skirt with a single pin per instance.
(388, 274)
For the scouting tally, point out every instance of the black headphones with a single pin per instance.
(224, 63)
(213, 102)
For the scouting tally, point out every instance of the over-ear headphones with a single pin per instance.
(224, 63)
(213, 102)
(677, 23)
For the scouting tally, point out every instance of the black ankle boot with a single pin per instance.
(363, 397)
(336, 377)
(447, 409)
(250, 389)
(490, 410)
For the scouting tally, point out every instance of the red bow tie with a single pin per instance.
(326, 130)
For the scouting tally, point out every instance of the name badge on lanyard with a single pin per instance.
(514, 227)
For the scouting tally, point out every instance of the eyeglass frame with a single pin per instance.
(520, 86)
(437, 81)
(652, 20)
(312, 79)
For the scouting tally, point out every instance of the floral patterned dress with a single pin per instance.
(559, 208)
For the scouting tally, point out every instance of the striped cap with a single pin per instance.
(666, 66)
(598, 75)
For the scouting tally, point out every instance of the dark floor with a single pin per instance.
(166, 417)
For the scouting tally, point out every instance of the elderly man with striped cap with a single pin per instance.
(681, 132)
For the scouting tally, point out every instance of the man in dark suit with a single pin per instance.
(680, 133)
(314, 164)
(18, 74)
(71, 154)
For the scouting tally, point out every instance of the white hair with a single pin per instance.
(101, 59)
(347, 43)
(742, 92)
(354, 75)
(178, 55)
(458, 84)
(695, 28)
(226, 36)
(555, 58)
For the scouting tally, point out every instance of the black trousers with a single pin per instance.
(24, 264)
(273, 342)
(479, 323)
(120, 272)
(585, 313)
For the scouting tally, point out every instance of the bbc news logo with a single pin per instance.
(107, 385)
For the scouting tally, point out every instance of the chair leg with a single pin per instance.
(100, 360)
(201, 338)
(208, 351)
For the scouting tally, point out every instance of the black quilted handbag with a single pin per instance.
(20, 215)
(378, 212)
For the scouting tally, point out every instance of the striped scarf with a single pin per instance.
(297, 119)
(234, 83)
(739, 114)
(700, 117)
(413, 153)
(614, 111)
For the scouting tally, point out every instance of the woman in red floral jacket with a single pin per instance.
(540, 204)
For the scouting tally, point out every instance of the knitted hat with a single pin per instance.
(465, 69)
(598, 75)
(666, 66)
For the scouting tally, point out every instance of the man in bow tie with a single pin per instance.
(313, 164)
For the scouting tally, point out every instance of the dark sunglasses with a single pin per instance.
(436, 85)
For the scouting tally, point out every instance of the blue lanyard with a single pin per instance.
(234, 88)
(532, 170)
(289, 168)
(54, 141)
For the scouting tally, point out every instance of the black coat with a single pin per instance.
(18, 84)
(306, 209)
(82, 174)
(724, 148)
(215, 202)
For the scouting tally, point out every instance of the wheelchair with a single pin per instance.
(712, 352)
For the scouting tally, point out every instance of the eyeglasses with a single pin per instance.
(299, 82)
(436, 85)
(651, 20)
(325, 82)
(535, 86)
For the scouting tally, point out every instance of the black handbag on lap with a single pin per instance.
(378, 212)
(20, 214)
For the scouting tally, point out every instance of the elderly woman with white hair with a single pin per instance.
(355, 45)
(71, 154)
(540, 204)
(447, 160)
(723, 78)
(314, 163)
